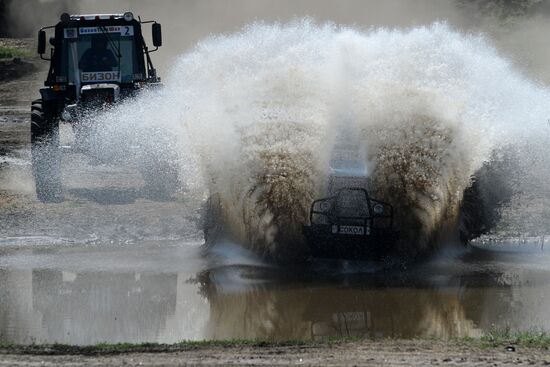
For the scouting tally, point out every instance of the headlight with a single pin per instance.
(128, 16)
(378, 209)
(66, 116)
(69, 113)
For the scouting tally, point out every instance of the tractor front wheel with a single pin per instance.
(46, 155)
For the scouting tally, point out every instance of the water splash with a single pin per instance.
(261, 110)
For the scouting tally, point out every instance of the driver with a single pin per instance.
(98, 57)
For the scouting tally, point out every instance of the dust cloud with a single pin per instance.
(518, 27)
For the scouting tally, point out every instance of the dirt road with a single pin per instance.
(102, 203)
(364, 353)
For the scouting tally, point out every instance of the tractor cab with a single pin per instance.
(102, 55)
(96, 60)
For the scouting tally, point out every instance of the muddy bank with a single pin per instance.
(22, 74)
(364, 353)
(15, 68)
(16, 59)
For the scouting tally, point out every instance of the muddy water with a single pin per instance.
(110, 265)
(166, 291)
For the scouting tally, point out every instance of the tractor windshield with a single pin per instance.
(100, 55)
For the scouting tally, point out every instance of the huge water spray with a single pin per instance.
(259, 111)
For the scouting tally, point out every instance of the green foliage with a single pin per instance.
(497, 337)
(9, 52)
(5, 345)
(505, 335)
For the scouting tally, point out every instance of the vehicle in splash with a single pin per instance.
(349, 223)
(96, 61)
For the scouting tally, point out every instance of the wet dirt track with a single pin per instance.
(109, 264)
(367, 353)
(105, 208)
(101, 203)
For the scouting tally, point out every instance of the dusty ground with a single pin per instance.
(21, 65)
(102, 203)
(365, 353)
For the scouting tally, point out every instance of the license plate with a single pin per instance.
(350, 230)
(100, 76)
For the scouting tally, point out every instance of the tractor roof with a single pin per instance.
(65, 18)
(96, 16)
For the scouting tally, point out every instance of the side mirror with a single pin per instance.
(157, 35)
(41, 42)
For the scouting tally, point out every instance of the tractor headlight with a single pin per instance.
(128, 16)
(69, 113)
(66, 116)
(378, 209)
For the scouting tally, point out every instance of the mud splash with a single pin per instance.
(259, 111)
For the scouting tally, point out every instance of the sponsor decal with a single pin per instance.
(70, 33)
(100, 76)
(123, 30)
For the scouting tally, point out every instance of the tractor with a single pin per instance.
(96, 61)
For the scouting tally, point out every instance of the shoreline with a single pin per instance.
(338, 352)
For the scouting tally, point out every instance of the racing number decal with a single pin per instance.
(127, 30)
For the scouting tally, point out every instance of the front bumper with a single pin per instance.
(373, 244)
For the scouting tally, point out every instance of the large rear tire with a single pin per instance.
(46, 155)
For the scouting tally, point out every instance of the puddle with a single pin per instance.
(165, 292)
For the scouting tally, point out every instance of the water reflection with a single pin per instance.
(314, 311)
(82, 308)
(463, 296)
